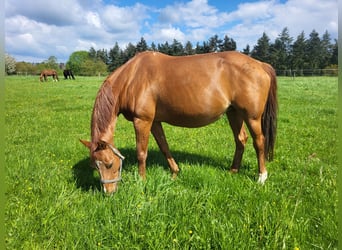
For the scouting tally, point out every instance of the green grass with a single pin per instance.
(54, 201)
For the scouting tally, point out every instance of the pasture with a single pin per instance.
(54, 199)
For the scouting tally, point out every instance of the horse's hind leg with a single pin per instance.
(240, 135)
(254, 126)
(159, 136)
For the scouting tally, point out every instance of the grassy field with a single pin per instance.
(54, 200)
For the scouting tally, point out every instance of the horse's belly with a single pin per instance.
(192, 105)
(191, 122)
(190, 117)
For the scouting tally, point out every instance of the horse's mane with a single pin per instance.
(102, 111)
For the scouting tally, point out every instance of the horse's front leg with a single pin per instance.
(159, 136)
(142, 132)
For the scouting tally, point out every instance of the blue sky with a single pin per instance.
(34, 33)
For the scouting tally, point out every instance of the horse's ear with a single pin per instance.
(86, 143)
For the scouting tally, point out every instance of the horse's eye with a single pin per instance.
(108, 166)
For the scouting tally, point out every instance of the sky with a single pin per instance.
(36, 30)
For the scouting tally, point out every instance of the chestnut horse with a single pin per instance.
(187, 91)
(48, 72)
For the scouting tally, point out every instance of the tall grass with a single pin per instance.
(54, 200)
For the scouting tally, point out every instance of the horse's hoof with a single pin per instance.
(262, 178)
(234, 170)
(174, 176)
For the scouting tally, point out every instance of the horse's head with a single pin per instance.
(108, 162)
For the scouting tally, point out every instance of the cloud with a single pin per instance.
(273, 16)
(195, 14)
(34, 31)
(307, 15)
(59, 13)
(168, 34)
(124, 19)
(93, 19)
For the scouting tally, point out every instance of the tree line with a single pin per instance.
(286, 53)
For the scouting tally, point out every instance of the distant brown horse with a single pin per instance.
(48, 72)
(187, 91)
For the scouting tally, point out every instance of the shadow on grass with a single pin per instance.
(84, 176)
(86, 180)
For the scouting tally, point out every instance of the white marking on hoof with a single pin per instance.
(262, 178)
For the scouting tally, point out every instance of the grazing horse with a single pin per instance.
(68, 74)
(187, 91)
(48, 72)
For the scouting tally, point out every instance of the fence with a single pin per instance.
(308, 72)
(288, 72)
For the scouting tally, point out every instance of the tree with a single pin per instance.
(128, 53)
(313, 50)
(281, 51)
(188, 50)
(198, 49)
(142, 45)
(27, 68)
(326, 50)
(177, 48)
(92, 53)
(102, 55)
(228, 44)
(10, 64)
(214, 43)
(334, 55)
(205, 48)
(89, 67)
(247, 50)
(298, 52)
(164, 48)
(115, 59)
(76, 60)
(153, 46)
(51, 63)
(261, 50)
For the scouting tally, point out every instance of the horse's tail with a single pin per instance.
(269, 117)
